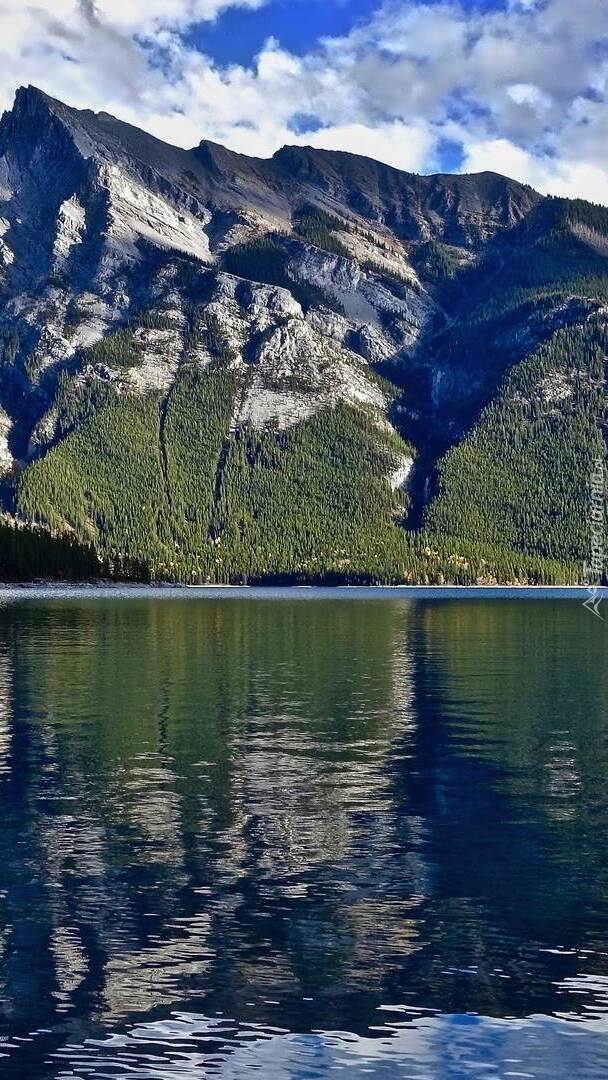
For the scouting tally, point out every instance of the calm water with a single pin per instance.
(292, 838)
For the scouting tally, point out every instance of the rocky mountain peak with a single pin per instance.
(32, 116)
(29, 99)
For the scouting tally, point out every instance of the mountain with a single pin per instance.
(312, 367)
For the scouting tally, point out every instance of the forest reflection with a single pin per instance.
(291, 810)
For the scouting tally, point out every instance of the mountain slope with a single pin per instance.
(313, 366)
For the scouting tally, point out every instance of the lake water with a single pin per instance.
(288, 836)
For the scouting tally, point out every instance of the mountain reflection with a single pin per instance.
(297, 812)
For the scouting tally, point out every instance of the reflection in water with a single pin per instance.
(235, 827)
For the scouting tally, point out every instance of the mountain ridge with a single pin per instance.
(25, 95)
(237, 320)
(145, 145)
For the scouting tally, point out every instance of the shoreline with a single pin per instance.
(114, 589)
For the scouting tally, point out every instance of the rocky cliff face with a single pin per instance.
(94, 218)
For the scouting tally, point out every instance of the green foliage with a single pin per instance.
(436, 262)
(168, 483)
(384, 383)
(310, 296)
(194, 433)
(74, 317)
(439, 559)
(561, 214)
(310, 215)
(263, 259)
(118, 350)
(312, 500)
(519, 479)
(317, 227)
(206, 329)
(165, 488)
(151, 320)
(27, 553)
(75, 400)
(104, 480)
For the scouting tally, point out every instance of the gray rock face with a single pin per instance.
(382, 323)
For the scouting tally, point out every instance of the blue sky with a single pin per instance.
(515, 86)
(239, 34)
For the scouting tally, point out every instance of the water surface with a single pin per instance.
(298, 837)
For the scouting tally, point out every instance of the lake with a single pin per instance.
(304, 833)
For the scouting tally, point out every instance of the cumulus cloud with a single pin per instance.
(406, 146)
(522, 89)
(574, 179)
(145, 16)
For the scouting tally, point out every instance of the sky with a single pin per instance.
(516, 86)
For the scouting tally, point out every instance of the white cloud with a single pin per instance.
(521, 88)
(145, 16)
(528, 94)
(572, 179)
(402, 145)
